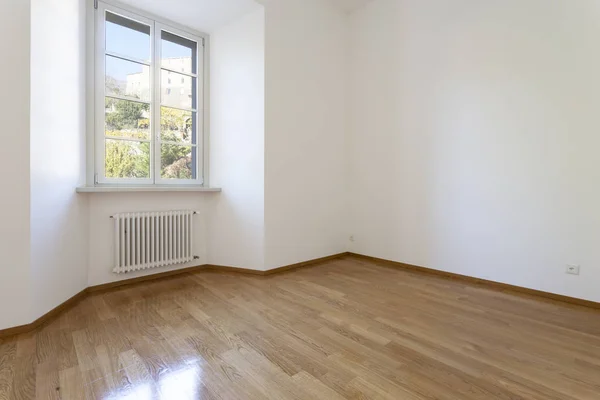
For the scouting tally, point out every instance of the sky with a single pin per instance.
(131, 43)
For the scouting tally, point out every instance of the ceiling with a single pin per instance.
(202, 15)
(207, 15)
(343, 5)
(348, 5)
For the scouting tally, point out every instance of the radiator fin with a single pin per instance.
(146, 240)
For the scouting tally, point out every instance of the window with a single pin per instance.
(145, 132)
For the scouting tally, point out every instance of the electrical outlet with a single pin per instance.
(572, 269)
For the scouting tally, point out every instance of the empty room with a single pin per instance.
(300, 199)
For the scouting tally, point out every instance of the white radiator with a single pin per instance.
(146, 240)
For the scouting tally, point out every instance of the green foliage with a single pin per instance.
(176, 123)
(127, 159)
(122, 114)
(176, 161)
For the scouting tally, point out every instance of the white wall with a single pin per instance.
(475, 138)
(237, 143)
(71, 234)
(15, 291)
(463, 139)
(305, 131)
(59, 217)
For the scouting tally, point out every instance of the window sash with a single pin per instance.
(197, 146)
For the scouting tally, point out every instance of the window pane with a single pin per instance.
(125, 159)
(126, 78)
(177, 162)
(128, 119)
(178, 54)
(127, 37)
(177, 90)
(177, 125)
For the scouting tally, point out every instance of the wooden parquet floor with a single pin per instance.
(347, 329)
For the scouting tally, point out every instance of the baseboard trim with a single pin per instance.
(105, 287)
(50, 315)
(278, 270)
(132, 281)
(478, 281)
(234, 270)
(309, 263)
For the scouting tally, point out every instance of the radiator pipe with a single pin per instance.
(195, 212)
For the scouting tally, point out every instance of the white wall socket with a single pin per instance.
(573, 269)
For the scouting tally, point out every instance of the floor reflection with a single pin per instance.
(139, 392)
(182, 384)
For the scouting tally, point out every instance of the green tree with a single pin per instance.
(126, 159)
(122, 114)
(176, 161)
(175, 122)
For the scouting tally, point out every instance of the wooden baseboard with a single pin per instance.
(491, 284)
(132, 281)
(17, 330)
(278, 270)
(309, 263)
(49, 316)
(235, 270)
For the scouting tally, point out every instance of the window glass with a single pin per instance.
(126, 78)
(177, 125)
(178, 53)
(127, 159)
(183, 93)
(177, 162)
(127, 119)
(127, 37)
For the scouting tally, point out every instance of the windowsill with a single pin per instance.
(132, 189)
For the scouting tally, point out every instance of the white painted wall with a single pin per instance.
(236, 216)
(71, 234)
(59, 217)
(102, 206)
(463, 139)
(475, 138)
(15, 291)
(305, 131)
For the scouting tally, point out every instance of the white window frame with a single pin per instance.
(96, 139)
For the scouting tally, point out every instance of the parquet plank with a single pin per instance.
(348, 328)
